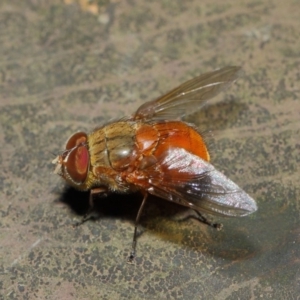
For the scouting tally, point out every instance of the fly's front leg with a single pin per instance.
(134, 241)
(87, 216)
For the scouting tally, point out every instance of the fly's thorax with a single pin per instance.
(113, 146)
(120, 142)
(97, 148)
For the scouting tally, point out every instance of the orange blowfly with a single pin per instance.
(155, 153)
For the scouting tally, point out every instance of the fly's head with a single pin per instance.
(74, 162)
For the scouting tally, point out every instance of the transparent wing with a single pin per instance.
(188, 97)
(186, 179)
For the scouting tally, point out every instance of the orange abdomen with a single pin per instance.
(157, 138)
(180, 135)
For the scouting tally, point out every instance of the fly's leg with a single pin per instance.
(198, 216)
(88, 215)
(204, 220)
(135, 234)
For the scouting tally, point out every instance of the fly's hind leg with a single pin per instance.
(204, 220)
(88, 215)
(198, 216)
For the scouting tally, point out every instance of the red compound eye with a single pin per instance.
(77, 159)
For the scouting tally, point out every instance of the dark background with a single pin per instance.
(72, 65)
